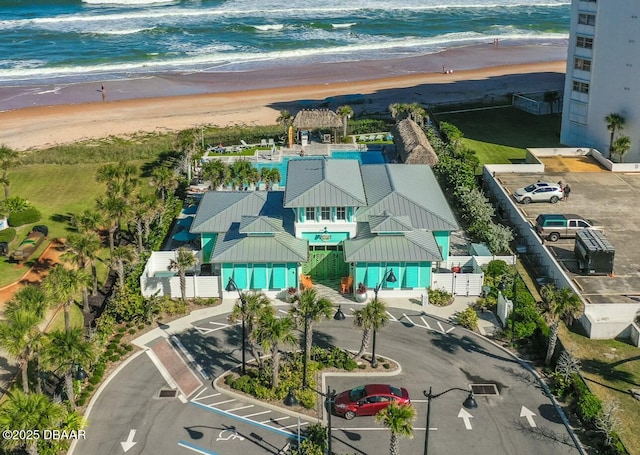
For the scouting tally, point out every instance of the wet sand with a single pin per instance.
(37, 117)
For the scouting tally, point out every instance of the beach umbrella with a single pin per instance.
(185, 222)
(184, 236)
(191, 210)
(290, 136)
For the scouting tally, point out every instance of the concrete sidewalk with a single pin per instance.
(487, 323)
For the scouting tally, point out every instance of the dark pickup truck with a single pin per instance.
(29, 245)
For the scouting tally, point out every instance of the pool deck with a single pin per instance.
(312, 149)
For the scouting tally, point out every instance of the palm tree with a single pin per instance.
(306, 310)
(120, 178)
(183, 261)
(551, 97)
(62, 285)
(559, 304)
(67, 349)
(16, 336)
(373, 316)
(345, 113)
(87, 221)
(114, 209)
(270, 176)
(216, 172)
(29, 297)
(188, 142)
(123, 255)
(620, 146)
(271, 334)
(256, 307)
(28, 412)
(615, 122)
(8, 159)
(398, 418)
(164, 179)
(83, 252)
(285, 119)
(417, 113)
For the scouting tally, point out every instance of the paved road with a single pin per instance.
(432, 354)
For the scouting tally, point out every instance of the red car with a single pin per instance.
(368, 400)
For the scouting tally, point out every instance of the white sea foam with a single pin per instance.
(208, 56)
(269, 27)
(347, 25)
(128, 2)
(123, 32)
(285, 12)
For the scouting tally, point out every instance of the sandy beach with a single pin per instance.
(37, 117)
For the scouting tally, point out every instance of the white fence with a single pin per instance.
(464, 274)
(157, 279)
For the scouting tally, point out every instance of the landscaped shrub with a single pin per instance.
(439, 297)
(7, 235)
(468, 318)
(26, 216)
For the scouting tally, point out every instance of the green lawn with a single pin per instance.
(77, 319)
(57, 190)
(501, 135)
(610, 368)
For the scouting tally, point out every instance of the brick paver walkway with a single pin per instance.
(175, 366)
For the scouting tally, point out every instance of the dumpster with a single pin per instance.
(594, 252)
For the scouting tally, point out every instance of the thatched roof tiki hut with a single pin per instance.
(318, 119)
(412, 144)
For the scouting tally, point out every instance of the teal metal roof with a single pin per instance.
(403, 190)
(260, 225)
(389, 223)
(413, 246)
(235, 247)
(328, 183)
(218, 210)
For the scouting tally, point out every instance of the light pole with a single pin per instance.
(389, 277)
(339, 316)
(329, 400)
(469, 403)
(232, 286)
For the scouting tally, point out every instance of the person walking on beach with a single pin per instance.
(104, 92)
(566, 190)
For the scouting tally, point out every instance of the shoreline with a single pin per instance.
(172, 102)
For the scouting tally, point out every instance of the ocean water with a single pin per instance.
(86, 40)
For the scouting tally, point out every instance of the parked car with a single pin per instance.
(553, 226)
(368, 400)
(30, 244)
(539, 192)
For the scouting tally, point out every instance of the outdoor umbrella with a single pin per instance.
(191, 210)
(184, 236)
(185, 222)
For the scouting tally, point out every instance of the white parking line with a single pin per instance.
(392, 317)
(425, 323)
(241, 407)
(256, 414)
(198, 397)
(276, 420)
(295, 425)
(407, 318)
(221, 402)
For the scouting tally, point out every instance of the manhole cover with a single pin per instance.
(170, 393)
(484, 389)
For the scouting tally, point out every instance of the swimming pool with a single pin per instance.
(370, 157)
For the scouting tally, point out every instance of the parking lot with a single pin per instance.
(609, 200)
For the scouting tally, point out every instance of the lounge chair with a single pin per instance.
(271, 142)
(379, 137)
(362, 138)
(263, 143)
(372, 137)
(244, 144)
